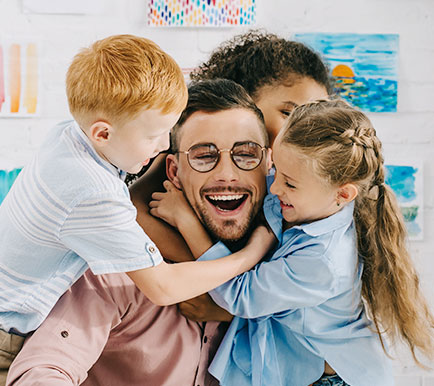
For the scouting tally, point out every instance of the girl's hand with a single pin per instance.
(171, 206)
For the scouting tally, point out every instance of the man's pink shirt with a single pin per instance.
(104, 331)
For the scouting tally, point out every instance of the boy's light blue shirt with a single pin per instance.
(297, 308)
(68, 210)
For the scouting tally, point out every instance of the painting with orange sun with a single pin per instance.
(364, 67)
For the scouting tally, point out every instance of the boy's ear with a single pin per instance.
(347, 193)
(100, 132)
(172, 170)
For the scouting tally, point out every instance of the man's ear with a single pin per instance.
(268, 158)
(100, 133)
(172, 170)
(347, 193)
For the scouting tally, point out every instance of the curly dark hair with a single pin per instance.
(258, 58)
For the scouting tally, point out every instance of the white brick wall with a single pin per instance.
(409, 132)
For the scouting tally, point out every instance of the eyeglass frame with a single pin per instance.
(219, 151)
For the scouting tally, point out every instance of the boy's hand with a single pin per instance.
(170, 206)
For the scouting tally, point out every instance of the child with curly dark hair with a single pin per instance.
(278, 74)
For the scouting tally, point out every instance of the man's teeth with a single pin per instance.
(226, 197)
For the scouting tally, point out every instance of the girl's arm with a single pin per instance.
(301, 279)
(168, 240)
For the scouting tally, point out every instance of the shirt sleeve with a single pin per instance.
(67, 344)
(303, 278)
(104, 232)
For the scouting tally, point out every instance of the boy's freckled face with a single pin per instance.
(226, 199)
(133, 144)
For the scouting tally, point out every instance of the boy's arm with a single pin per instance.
(168, 240)
(202, 308)
(166, 284)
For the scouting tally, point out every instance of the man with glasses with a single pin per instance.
(219, 161)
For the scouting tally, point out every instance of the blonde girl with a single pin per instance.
(316, 310)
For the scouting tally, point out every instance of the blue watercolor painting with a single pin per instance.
(406, 183)
(364, 67)
(7, 178)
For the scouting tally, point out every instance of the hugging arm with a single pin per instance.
(202, 308)
(302, 279)
(170, 243)
(173, 208)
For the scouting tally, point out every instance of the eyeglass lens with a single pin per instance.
(245, 155)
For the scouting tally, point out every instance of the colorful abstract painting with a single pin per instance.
(364, 67)
(406, 180)
(201, 13)
(19, 78)
(7, 178)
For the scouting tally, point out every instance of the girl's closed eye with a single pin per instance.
(286, 113)
(289, 185)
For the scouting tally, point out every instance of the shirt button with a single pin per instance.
(64, 334)
(151, 249)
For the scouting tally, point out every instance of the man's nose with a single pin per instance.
(225, 170)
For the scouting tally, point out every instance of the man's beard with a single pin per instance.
(230, 232)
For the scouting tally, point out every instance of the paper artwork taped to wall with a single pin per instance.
(201, 13)
(7, 178)
(406, 180)
(364, 67)
(19, 79)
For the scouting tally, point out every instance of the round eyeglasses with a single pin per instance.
(204, 157)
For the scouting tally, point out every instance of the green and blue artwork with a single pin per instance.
(405, 179)
(7, 178)
(364, 67)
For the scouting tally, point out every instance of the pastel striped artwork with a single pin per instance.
(19, 79)
(201, 13)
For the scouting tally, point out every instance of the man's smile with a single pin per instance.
(226, 202)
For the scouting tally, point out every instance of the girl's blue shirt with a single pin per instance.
(299, 307)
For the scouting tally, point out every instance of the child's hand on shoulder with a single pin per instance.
(170, 206)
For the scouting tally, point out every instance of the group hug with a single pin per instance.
(255, 243)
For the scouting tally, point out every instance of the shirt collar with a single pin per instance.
(79, 135)
(342, 218)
